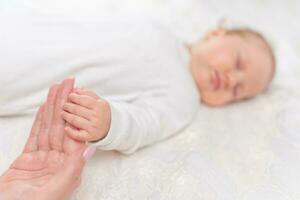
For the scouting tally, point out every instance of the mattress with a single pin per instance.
(245, 151)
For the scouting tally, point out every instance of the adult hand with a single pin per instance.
(51, 163)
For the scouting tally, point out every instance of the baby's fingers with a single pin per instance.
(90, 93)
(83, 100)
(77, 121)
(78, 110)
(79, 135)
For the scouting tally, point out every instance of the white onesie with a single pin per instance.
(136, 64)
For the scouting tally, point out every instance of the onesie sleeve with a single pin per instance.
(147, 120)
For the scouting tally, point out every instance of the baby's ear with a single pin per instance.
(214, 33)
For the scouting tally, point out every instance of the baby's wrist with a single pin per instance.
(98, 139)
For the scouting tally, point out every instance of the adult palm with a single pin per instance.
(51, 163)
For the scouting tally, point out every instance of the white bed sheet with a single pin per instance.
(245, 151)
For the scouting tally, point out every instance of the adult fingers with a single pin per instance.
(43, 137)
(32, 141)
(56, 137)
(69, 145)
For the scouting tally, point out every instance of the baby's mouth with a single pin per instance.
(215, 80)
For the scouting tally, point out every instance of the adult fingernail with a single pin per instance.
(89, 152)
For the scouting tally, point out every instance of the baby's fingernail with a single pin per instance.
(89, 152)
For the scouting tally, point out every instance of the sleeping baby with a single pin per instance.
(226, 66)
(144, 83)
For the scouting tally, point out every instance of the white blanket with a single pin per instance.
(245, 151)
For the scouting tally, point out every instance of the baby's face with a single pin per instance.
(229, 68)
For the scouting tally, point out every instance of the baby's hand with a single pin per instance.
(88, 115)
